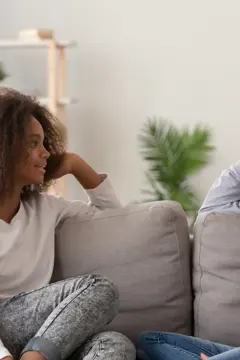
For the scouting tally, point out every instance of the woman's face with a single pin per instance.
(30, 170)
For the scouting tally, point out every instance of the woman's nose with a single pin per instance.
(45, 154)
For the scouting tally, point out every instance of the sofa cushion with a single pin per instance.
(216, 277)
(144, 249)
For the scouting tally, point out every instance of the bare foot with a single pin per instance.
(32, 355)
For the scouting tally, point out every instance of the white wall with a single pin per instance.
(137, 58)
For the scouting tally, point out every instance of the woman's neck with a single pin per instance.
(9, 206)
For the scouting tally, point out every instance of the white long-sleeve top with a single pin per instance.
(27, 243)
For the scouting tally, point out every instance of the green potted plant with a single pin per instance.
(3, 75)
(174, 155)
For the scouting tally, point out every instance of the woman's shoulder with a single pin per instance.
(44, 201)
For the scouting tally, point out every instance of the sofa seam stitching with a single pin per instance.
(201, 275)
(113, 216)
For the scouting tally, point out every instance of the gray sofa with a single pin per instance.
(145, 250)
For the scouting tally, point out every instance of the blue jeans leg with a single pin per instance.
(169, 346)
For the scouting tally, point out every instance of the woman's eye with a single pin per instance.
(34, 144)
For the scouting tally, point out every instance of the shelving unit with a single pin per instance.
(56, 99)
(34, 43)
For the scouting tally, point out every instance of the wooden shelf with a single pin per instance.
(61, 101)
(19, 43)
(57, 98)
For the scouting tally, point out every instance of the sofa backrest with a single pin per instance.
(216, 277)
(144, 249)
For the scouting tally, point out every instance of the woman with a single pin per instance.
(39, 320)
(170, 346)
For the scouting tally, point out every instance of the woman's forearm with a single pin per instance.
(84, 174)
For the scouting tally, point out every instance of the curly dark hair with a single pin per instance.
(16, 110)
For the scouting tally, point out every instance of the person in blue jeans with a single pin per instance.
(223, 196)
(170, 346)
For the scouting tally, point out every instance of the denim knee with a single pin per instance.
(151, 337)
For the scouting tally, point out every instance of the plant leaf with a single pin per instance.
(173, 155)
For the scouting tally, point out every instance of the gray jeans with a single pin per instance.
(64, 320)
